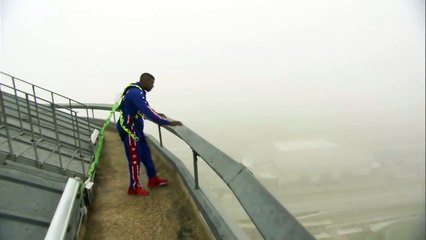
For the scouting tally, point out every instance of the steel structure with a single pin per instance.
(42, 137)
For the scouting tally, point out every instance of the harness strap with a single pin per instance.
(121, 117)
(126, 129)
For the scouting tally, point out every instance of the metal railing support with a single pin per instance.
(79, 141)
(195, 157)
(78, 133)
(58, 143)
(17, 103)
(6, 127)
(37, 112)
(88, 120)
(159, 135)
(33, 140)
(52, 96)
(72, 123)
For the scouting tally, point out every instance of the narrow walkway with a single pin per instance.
(166, 214)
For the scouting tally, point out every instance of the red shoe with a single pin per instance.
(138, 191)
(157, 182)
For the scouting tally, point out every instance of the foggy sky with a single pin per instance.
(345, 71)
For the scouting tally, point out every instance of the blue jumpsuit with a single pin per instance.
(134, 101)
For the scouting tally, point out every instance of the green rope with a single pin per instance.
(123, 125)
(101, 133)
(101, 140)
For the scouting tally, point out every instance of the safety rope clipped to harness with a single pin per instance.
(128, 131)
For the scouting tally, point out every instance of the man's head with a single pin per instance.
(147, 81)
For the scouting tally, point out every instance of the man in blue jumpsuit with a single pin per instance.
(130, 127)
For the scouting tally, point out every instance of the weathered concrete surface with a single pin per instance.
(167, 213)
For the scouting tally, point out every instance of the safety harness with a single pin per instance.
(121, 118)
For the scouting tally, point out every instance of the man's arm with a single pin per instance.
(140, 102)
(172, 123)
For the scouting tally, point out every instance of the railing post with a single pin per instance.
(53, 97)
(73, 124)
(88, 119)
(159, 135)
(78, 134)
(17, 103)
(36, 107)
(33, 140)
(58, 143)
(9, 141)
(195, 157)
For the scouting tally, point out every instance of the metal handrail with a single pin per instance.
(30, 106)
(48, 107)
(271, 218)
(62, 217)
(53, 94)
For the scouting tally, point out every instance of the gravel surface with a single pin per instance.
(167, 213)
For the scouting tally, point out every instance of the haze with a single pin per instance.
(289, 88)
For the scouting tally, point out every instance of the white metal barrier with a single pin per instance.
(59, 225)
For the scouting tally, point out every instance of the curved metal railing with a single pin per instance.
(64, 212)
(271, 218)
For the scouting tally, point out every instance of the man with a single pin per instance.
(130, 127)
